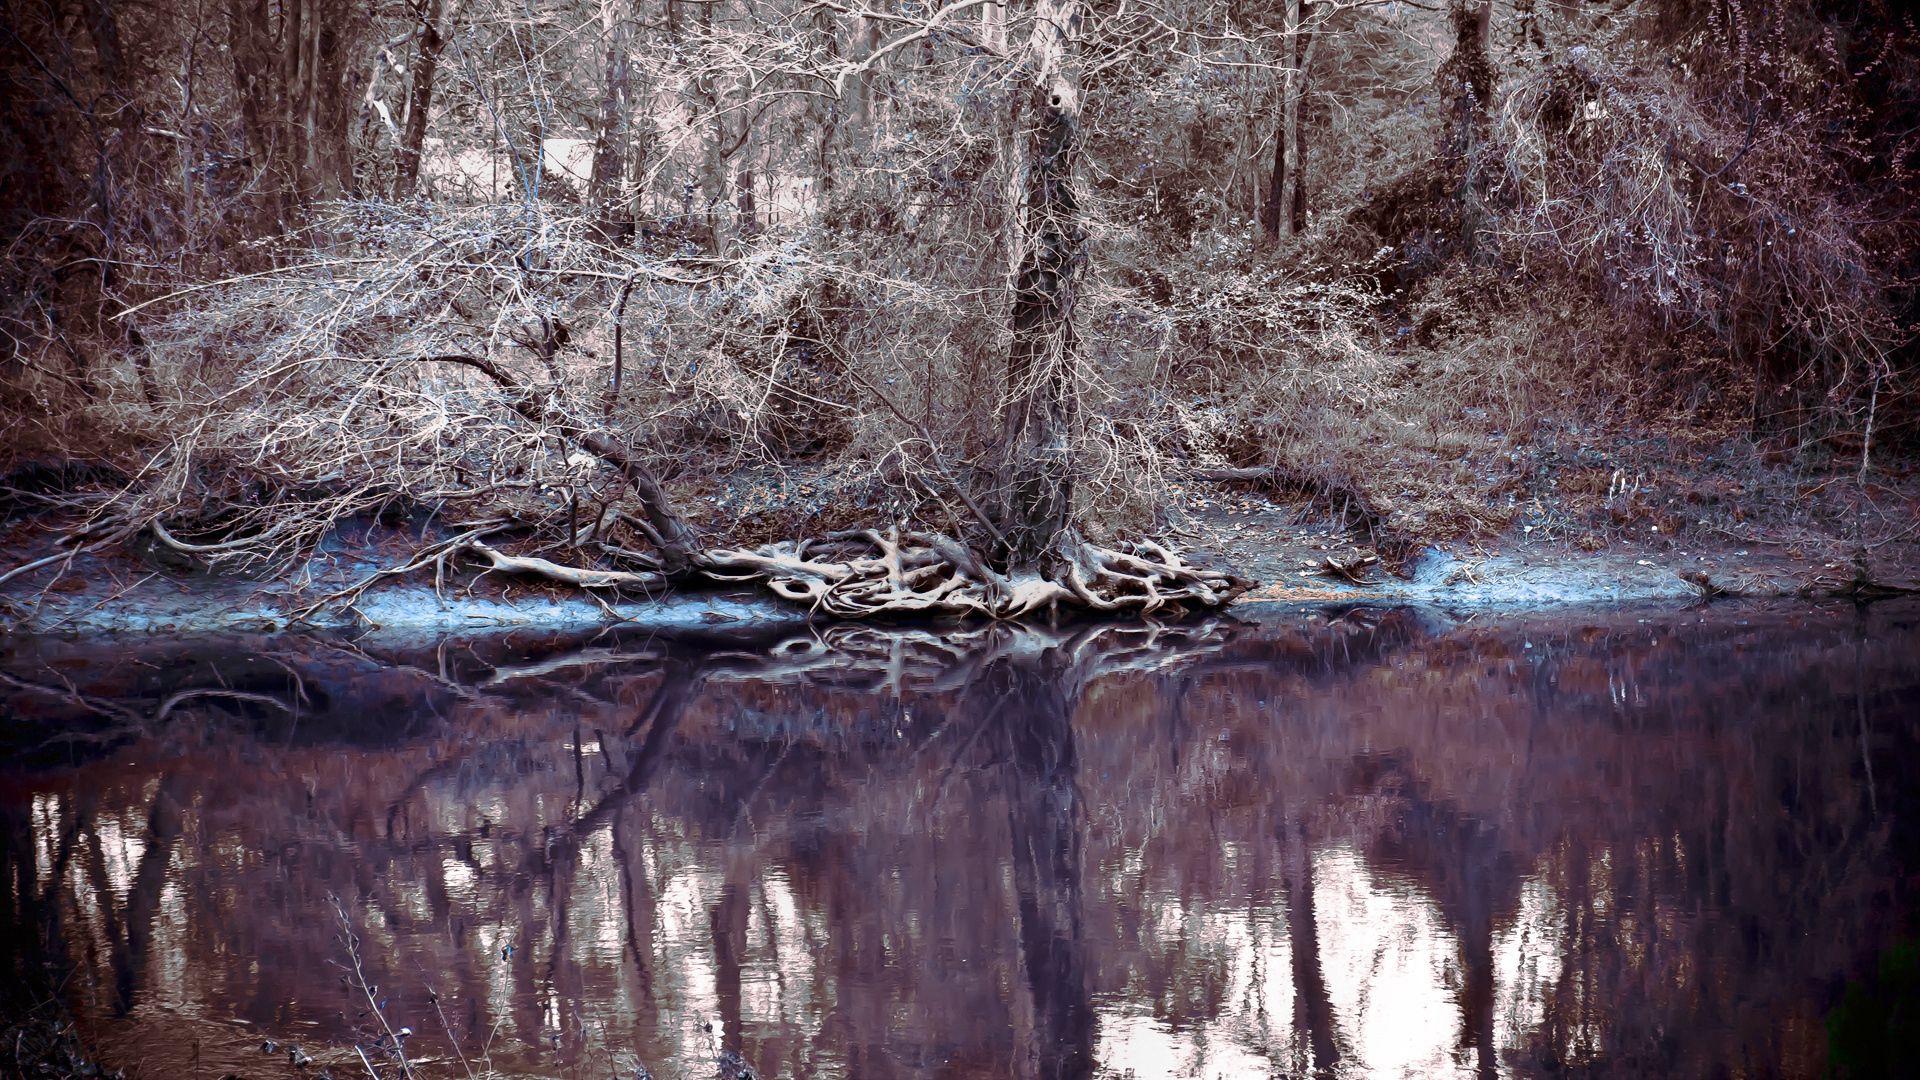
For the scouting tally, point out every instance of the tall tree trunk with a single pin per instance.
(1036, 440)
(115, 155)
(1303, 64)
(860, 111)
(611, 143)
(713, 158)
(1466, 82)
(824, 113)
(333, 90)
(993, 25)
(609, 190)
(296, 95)
(1286, 209)
(257, 85)
(426, 64)
(1271, 217)
(530, 161)
(296, 121)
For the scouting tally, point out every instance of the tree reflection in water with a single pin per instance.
(1336, 844)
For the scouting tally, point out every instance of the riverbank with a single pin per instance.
(140, 589)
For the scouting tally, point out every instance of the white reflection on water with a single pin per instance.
(47, 813)
(1392, 970)
(778, 987)
(495, 963)
(1526, 962)
(1248, 1036)
(683, 950)
(183, 985)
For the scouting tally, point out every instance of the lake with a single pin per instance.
(1359, 842)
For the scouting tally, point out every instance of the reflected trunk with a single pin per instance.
(1035, 707)
(143, 901)
(1312, 1008)
(728, 922)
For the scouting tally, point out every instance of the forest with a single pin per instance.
(949, 308)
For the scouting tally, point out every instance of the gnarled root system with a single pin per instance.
(863, 574)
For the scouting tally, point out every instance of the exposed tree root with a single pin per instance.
(864, 574)
(571, 575)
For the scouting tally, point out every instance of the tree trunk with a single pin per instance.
(530, 162)
(1286, 209)
(335, 89)
(1036, 441)
(993, 26)
(1467, 77)
(610, 190)
(1466, 82)
(118, 154)
(256, 81)
(1303, 63)
(1270, 215)
(296, 96)
(616, 113)
(713, 158)
(824, 113)
(426, 63)
(860, 110)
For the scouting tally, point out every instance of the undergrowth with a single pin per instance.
(1535, 266)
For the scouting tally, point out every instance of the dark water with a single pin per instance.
(1363, 844)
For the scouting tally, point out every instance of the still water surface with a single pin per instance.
(1370, 843)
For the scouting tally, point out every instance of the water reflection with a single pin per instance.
(1359, 844)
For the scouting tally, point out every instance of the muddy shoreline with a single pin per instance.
(132, 592)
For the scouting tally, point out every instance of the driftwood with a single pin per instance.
(571, 575)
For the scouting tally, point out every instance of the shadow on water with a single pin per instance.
(1351, 843)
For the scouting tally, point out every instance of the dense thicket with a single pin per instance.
(635, 278)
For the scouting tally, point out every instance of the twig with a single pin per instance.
(432, 554)
(352, 943)
(50, 559)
